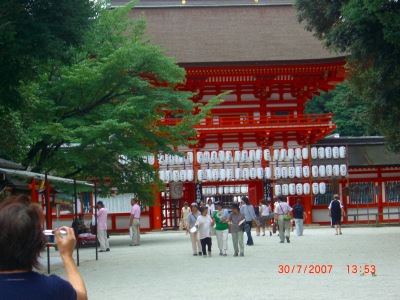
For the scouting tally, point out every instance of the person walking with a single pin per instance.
(184, 215)
(336, 212)
(194, 234)
(237, 220)
(102, 226)
(21, 243)
(248, 211)
(203, 224)
(134, 222)
(265, 216)
(299, 216)
(211, 207)
(283, 214)
(220, 217)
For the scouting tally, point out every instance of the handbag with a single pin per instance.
(274, 227)
(287, 217)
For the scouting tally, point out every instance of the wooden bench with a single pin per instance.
(376, 215)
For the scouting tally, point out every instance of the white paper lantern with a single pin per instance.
(200, 175)
(321, 152)
(328, 152)
(335, 170)
(199, 157)
(206, 157)
(189, 157)
(215, 174)
(214, 157)
(306, 188)
(238, 173)
(245, 156)
(253, 173)
(306, 171)
(168, 159)
(277, 172)
(161, 159)
(226, 189)
(285, 189)
(221, 156)
(161, 175)
(292, 189)
(314, 152)
(276, 154)
(182, 175)
(213, 190)
(229, 174)
(277, 190)
(238, 154)
(151, 160)
(343, 170)
(260, 173)
(267, 155)
(243, 189)
(258, 155)
(237, 189)
(228, 156)
(252, 155)
(335, 152)
(222, 174)
(315, 188)
(284, 172)
(245, 173)
(282, 155)
(328, 170)
(314, 171)
(168, 176)
(290, 153)
(208, 174)
(220, 189)
(321, 171)
(175, 175)
(322, 187)
(342, 152)
(304, 153)
(145, 158)
(175, 160)
(231, 189)
(181, 160)
(268, 173)
(190, 175)
(298, 171)
(291, 172)
(298, 153)
(299, 189)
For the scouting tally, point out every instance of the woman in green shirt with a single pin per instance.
(221, 216)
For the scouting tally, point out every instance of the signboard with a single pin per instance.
(267, 190)
(198, 190)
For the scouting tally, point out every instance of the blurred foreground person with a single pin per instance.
(21, 242)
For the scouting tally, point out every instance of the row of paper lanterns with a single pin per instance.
(254, 173)
(225, 190)
(299, 189)
(237, 156)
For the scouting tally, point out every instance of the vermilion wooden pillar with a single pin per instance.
(157, 213)
(307, 203)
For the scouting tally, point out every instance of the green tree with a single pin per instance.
(97, 116)
(368, 31)
(349, 113)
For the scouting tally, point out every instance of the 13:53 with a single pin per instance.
(361, 269)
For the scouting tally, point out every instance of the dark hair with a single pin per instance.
(235, 206)
(245, 200)
(202, 208)
(263, 202)
(21, 234)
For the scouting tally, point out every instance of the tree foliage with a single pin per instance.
(99, 114)
(368, 31)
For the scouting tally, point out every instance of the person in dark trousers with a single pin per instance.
(299, 216)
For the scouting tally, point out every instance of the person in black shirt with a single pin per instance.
(299, 216)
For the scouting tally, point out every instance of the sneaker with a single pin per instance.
(242, 254)
(220, 254)
(194, 254)
(108, 249)
(200, 253)
(281, 242)
(270, 233)
(224, 254)
(235, 254)
(287, 239)
(102, 251)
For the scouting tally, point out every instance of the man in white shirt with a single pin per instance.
(135, 222)
(281, 209)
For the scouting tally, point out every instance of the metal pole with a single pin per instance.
(48, 217)
(76, 220)
(95, 215)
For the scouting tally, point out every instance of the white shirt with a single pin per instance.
(265, 210)
(282, 208)
(204, 226)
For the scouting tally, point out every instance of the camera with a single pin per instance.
(50, 235)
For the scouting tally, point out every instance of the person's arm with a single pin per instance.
(304, 214)
(66, 246)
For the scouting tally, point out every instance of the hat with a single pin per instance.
(218, 203)
(194, 204)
